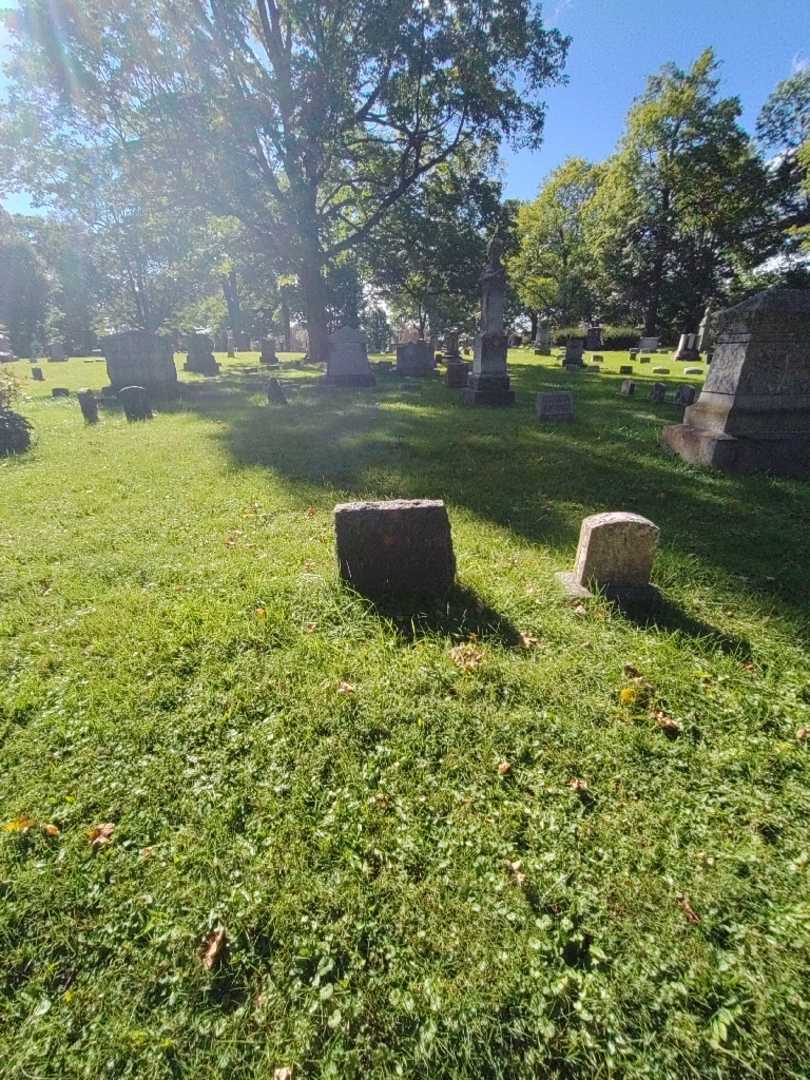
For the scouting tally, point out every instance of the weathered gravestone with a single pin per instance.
(60, 391)
(693, 371)
(687, 348)
(88, 403)
(573, 356)
(658, 393)
(644, 359)
(275, 393)
(200, 356)
(402, 547)
(648, 344)
(628, 388)
(488, 383)
(37, 374)
(554, 405)
(660, 371)
(458, 374)
(597, 359)
(415, 358)
(685, 395)
(593, 337)
(542, 341)
(633, 354)
(135, 403)
(347, 363)
(268, 353)
(626, 369)
(57, 353)
(753, 413)
(615, 557)
(138, 358)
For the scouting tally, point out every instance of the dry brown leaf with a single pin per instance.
(21, 824)
(504, 768)
(50, 830)
(467, 656)
(213, 947)
(631, 672)
(345, 688)
(578, 785)
(690, 913)
(311, 627)
(100, 835)
(311, 511)
(580, 610)
(671, 728)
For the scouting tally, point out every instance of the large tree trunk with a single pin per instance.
(312, 287)
(231, 293)
(285, 325)
(533, 315)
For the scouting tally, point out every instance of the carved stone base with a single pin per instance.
(786, 457)
(488, 390)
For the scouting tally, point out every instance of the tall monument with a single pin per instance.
(488, 383)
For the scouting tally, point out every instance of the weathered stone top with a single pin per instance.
(348, 335)
(390, 504)
(773, 314)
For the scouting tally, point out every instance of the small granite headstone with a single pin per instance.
(593, 337)
(685, 395)
(554, 405)
(615, 556)
(415, 358)
(597, 359)
(268, 353)
(574, 349)
(402, 547)
(457, 374)
(37, 374)
(628, 388)
(60, 391)
(658, 393)
(644, 360)
(648, 344)
(660, 371)
(275, 393)
(694, 371)
(626, 369)
(135, 403)
(88, 403)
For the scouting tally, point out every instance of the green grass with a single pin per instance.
(173, 640)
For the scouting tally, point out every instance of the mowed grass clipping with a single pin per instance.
(439, 843)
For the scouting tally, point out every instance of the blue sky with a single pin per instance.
(617, 43)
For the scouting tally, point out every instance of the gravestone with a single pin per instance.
(633, 353)
(542, 341)
(268, 353)
(347, 363)
(37, 374)
(275, 393)
(88, 403)
(60, 391)
(615, 557)
(707, 331)
(593, 337)
(402, 547)
(599, 359)
(685, 395)
(644, 360)
(687, 348)
(200, 356)
(628, 388)
(415, 358)
(648, 344)
(135, 403)
(138, 358)
(57, 353)
(554, 405)
(693, 371)
(753, 413)
(488, 383)
(457, 375)
(660, 371)
(658, 393)
(573, 355)
(626, 369)
(243, 341)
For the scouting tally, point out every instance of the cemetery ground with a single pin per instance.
(505, 837)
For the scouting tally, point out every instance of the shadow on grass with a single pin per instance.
(671, 618)
(462, 614)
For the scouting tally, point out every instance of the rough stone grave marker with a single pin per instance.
(138, 358)
(275, 393)
(135, 403)
(37, 374)
(415, 358)
(554, 405)
(488, 383)
(200, 356)
(658, 393)
(348, 359)
(628, 388)
(88, 403)
(402, 547)
(615, 556)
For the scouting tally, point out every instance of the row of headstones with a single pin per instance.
(404, 548)
(559, 404)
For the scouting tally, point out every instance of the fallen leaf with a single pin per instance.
(516, 872)
(671, 728)
(504, 768)
(690, 913)
(311, 511)
(631, 672)
(50, 830)
(311, 627)
(467, 656)
(20, 824)
(100, 835)
(580, 610)
(578, 784)
(213, 947)
(345, 688)
(528, 642)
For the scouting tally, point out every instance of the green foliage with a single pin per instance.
(784, 122)
(24, 288)
(15, 433)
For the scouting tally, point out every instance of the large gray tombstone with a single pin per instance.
(687, 348)
(615, 557)
(489, 384)
(348, 364)
(138, 358)
(135, 402)
(574, 353)
(648, 344)
(543, 341)
(753, 413)
(415, 358)
(593, 337)
(401, 547)
(200, 356)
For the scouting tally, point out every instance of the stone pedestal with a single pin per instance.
(401, 547)
(753, 413)
(200, 356)
(687, 348)
(489, 383)
(138, 358)
(615, 557)
(348, 364)
(415, 358)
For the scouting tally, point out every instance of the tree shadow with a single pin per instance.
(671, 618)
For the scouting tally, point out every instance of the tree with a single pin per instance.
(306, 120)
(551, 270)
(24, 288)
(783, 127)
(682, 203)
(784, 122)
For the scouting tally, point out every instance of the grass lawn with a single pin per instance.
(320, 777)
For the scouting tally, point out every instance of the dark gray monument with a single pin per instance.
(489, 383)
(135, 403)
(88, 403)
(415, 358)
(200, 356)
(574, 353)
(138, 358)
(347, 363)
(753, 413)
